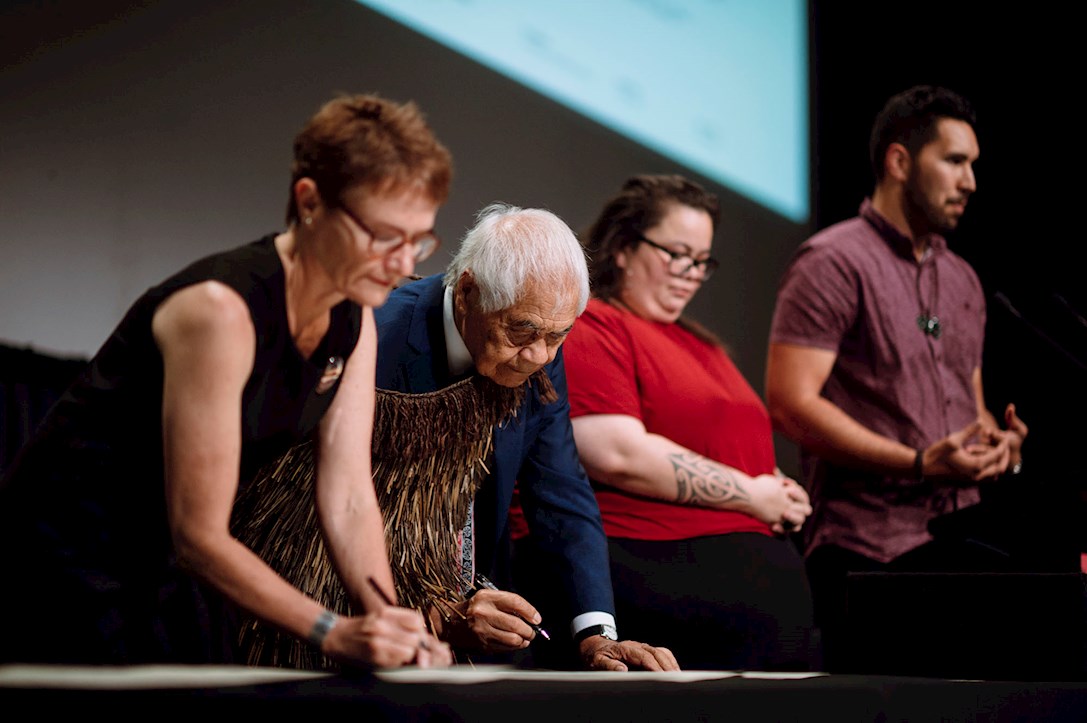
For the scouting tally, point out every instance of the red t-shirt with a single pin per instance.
(680, 387)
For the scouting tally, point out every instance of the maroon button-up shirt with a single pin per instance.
(856, 289)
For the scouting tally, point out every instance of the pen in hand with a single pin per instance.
(389, 601)
(380, 593)
(483, 582)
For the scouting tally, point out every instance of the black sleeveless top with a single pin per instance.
(85, 498)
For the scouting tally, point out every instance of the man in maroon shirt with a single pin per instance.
(874, 365)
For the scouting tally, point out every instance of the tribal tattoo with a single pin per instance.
(703, 483)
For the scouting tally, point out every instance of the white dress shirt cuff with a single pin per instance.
(592, 618)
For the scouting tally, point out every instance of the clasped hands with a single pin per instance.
(978, 451)
(779, 501)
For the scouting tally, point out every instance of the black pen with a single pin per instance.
(389, 601)
(482, 581)
(380, 593)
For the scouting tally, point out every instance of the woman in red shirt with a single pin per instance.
(680, 448)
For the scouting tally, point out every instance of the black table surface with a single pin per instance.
(519, 696)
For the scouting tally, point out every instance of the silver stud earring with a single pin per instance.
(309, 220)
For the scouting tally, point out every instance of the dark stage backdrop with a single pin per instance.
(30, 383)
(1021, 231)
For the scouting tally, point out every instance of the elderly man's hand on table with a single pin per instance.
(600, 653)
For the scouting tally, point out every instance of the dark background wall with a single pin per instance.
(1020, 231)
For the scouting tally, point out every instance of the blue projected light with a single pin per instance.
(720, 86)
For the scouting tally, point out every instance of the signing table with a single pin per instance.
(496, 693)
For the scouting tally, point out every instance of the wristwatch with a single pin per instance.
(606, 631)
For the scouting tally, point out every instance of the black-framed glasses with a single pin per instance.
(680, 264)
(423, 246)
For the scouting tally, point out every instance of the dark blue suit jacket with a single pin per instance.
(536, 449)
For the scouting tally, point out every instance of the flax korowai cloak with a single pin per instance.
(430, 455)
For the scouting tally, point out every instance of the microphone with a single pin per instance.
(930, 325)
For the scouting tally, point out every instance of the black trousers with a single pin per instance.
(739, 601)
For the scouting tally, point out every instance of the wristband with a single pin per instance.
(325, 622)
(919, 466)
(607, 631)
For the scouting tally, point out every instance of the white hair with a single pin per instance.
(510, 247)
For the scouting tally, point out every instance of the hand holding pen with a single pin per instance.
(483, 583)
(429, 650)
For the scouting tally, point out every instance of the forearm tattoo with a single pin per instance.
(703, 483)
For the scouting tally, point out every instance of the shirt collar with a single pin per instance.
(899, 242)
(456, 353)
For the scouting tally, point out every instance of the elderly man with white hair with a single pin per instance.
(497, 318)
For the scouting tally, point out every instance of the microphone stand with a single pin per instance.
(1053, 343)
